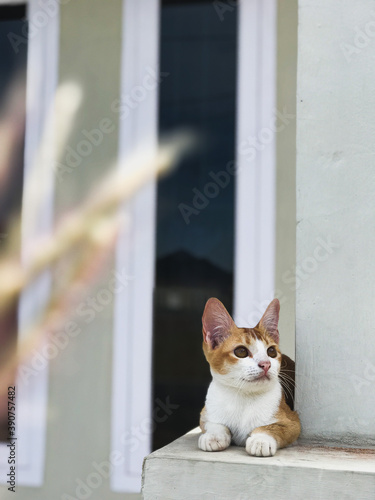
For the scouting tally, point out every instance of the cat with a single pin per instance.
(245, 403)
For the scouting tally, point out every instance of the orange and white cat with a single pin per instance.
(245, 403)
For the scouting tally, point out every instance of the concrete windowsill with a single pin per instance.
(180, 471)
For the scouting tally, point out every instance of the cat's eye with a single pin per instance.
(271, 351)
(241, 352)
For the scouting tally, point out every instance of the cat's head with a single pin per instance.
(245, 358)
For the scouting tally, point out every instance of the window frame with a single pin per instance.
(131, 415)
(255, 229)
(32, 397)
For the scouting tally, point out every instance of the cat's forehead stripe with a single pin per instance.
(261, 335)
(252, 334)
(249, 336)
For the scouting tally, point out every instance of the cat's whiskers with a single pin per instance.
(288, 392)
(285, 380)
(287, 377)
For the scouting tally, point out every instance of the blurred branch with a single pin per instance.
(83, 224)
(91, 229)
(82, 275)
(94, 227)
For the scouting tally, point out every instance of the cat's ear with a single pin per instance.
(217, 323)
(270, 320)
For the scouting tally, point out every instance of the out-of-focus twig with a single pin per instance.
(94, 225)
(82, 276)
(88, 232)
(77, 227)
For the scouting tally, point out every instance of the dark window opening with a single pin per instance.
(195, 210)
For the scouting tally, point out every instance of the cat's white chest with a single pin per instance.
(241, 412)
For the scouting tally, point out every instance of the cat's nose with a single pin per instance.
(265, 365)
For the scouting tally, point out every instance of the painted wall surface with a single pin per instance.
(335, 311)
(285, 265)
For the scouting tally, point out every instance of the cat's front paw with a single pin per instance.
(261, 444)
(214, 442)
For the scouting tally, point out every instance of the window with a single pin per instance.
(175, 266)
(195, 204)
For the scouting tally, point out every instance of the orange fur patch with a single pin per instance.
(287, 428)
